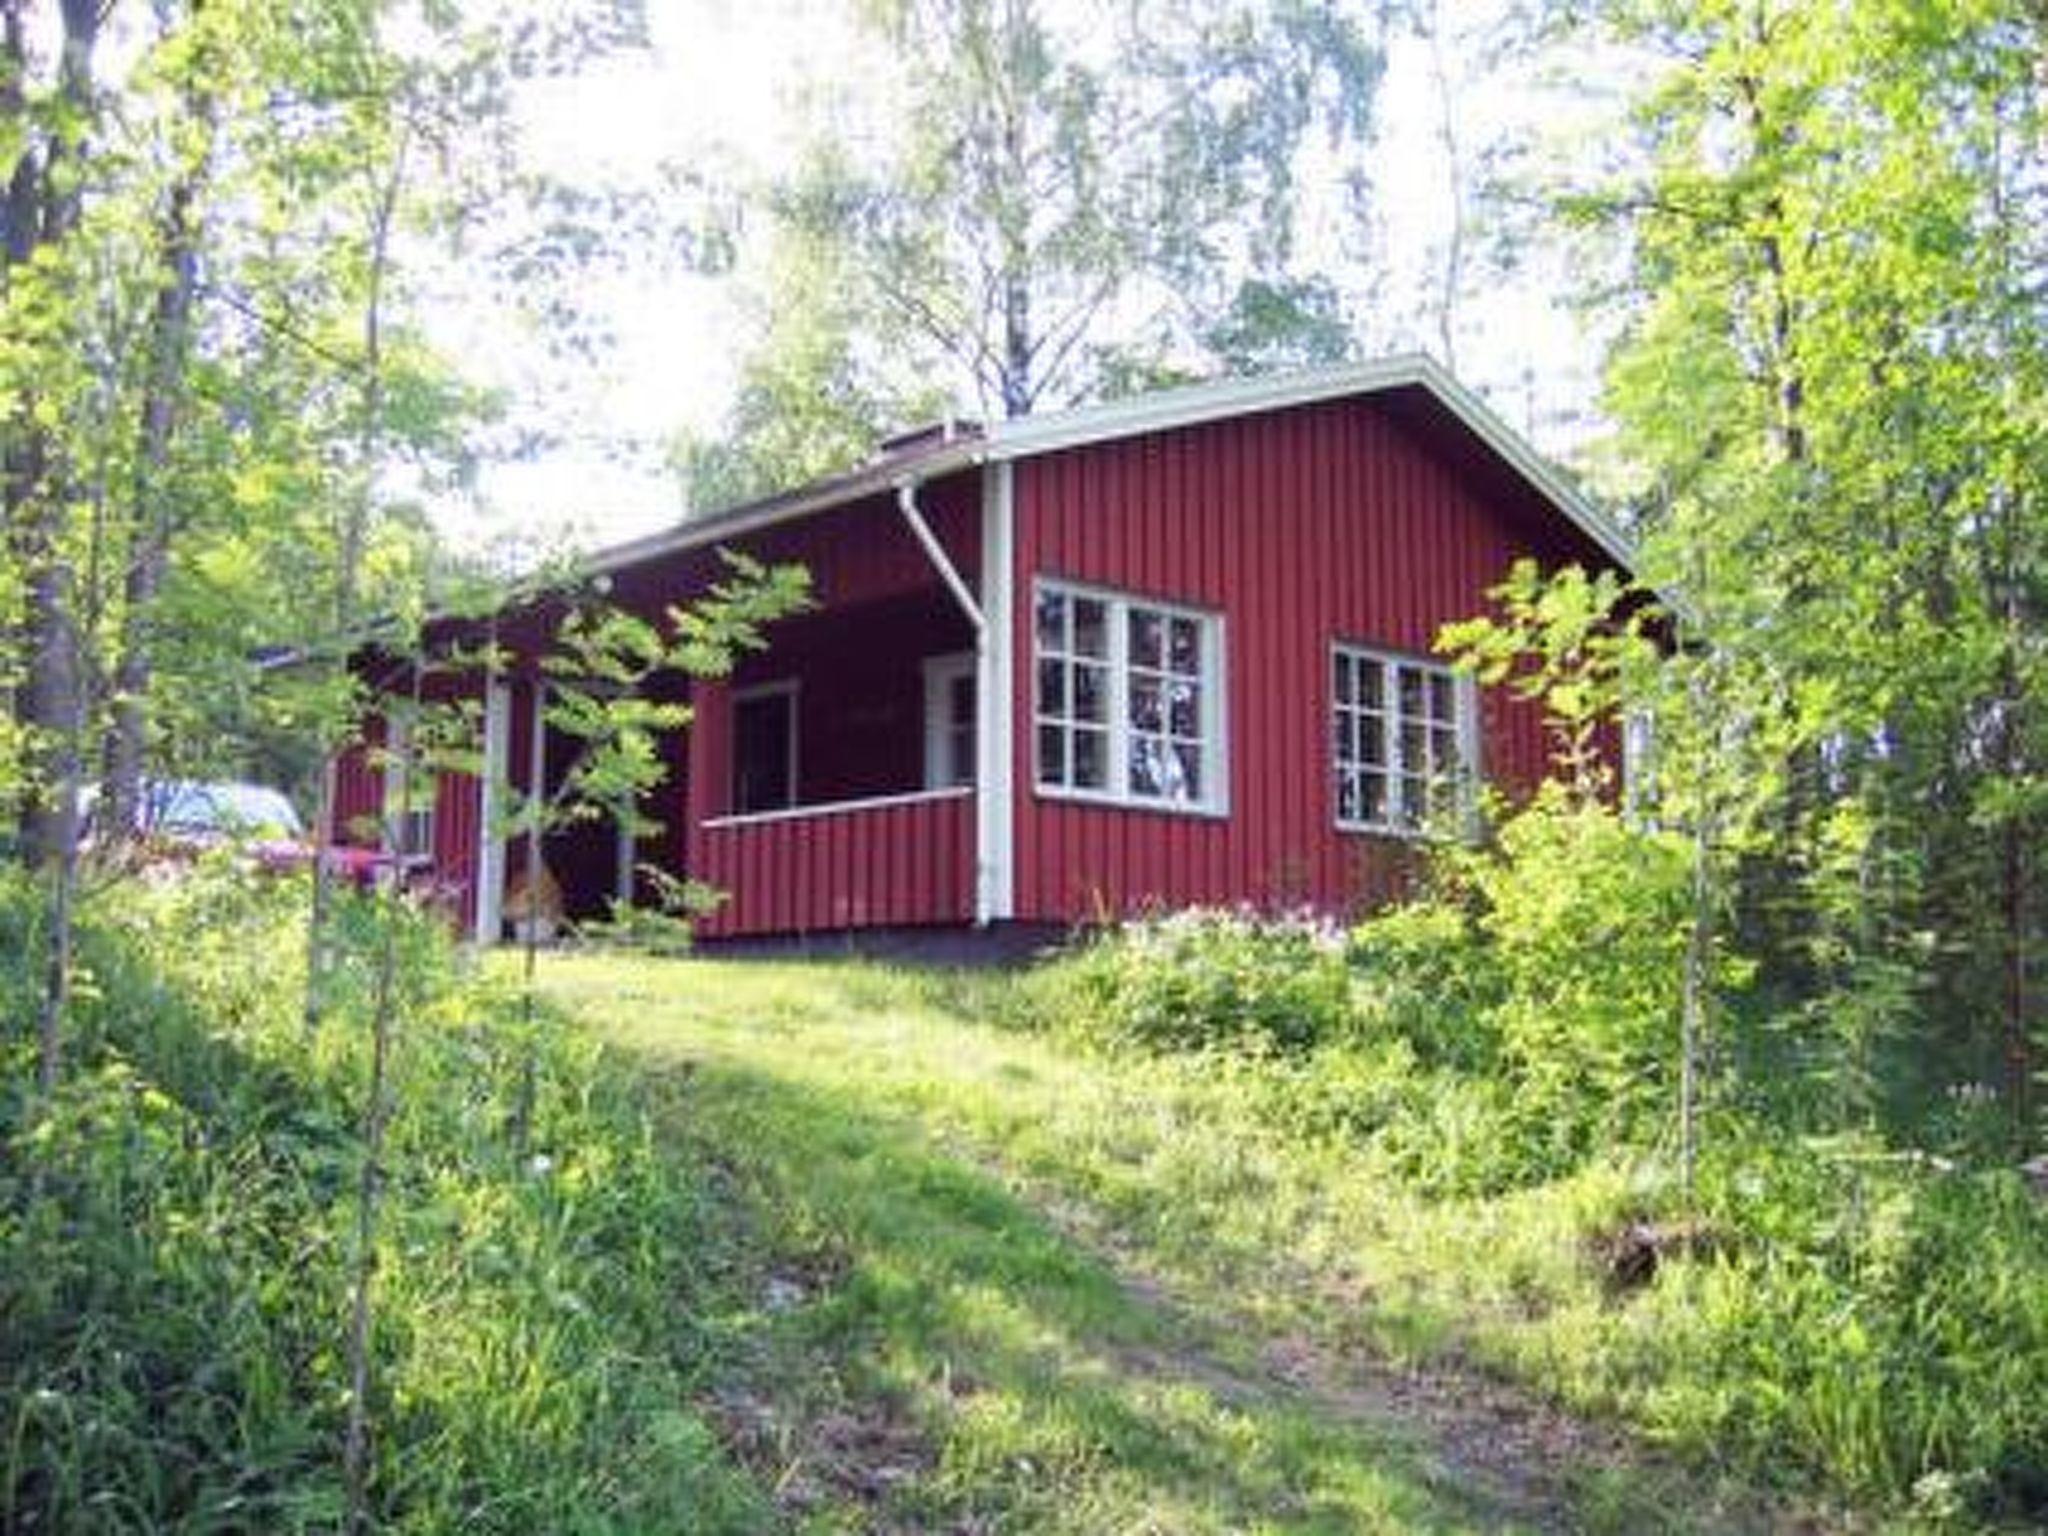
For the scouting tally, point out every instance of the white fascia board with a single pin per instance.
(881, 479)
(1193, 405)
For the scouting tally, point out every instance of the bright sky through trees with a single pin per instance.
(722, 93)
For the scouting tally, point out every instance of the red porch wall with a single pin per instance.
(1302, 527)
(887, 865)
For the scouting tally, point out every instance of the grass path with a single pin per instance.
(984, 1283)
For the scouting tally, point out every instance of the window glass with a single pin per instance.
(764, 752)
(1396, 750)
(1123, 703)
(960, 728)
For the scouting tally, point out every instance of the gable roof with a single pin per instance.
(916, 458)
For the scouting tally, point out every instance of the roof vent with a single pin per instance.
(930, 434)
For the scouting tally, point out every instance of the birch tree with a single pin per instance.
(1060, 211)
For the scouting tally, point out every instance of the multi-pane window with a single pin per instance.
(1073, 690)
(1402, 753)
(1127, 704)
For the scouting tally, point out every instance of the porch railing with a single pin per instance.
(895, 860)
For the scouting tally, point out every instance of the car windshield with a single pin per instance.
(233, 809)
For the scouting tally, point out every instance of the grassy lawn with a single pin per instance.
(987, 1282)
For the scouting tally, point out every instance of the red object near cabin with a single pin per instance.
(1169, 651)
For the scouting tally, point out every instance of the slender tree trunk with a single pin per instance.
(369, 1192)
(348, 574)
(149, 560)
(1450, 283)
(20, 469)
(1699, 946)
(536, 822)
(1699, 943)
(42, 210)
(57, 963)
(1019, 346)
(2019, 1044)
(2013, 860)
(2008, 595)
(1016, 346)
(1788, 382)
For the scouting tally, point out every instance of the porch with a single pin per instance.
(832, 782)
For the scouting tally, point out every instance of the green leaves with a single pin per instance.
(1834, 220)
(1582, 645)
(1066, 208)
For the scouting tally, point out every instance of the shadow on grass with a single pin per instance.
(1049, 1394)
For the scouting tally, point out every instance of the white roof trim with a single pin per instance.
(751, 516)
(1192, 405)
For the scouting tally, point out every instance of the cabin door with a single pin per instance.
(949, 716)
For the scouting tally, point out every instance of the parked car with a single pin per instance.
(178, 819)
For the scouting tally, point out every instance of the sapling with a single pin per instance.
(596, 687)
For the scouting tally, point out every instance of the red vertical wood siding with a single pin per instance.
(1301, 528)
(860, 694)
(358, 790)
(458, 822)
(856, 554)
(458, 810)
(889, 865)
(707, 790)
(880, 610)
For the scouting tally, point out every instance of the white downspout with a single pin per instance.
(991, 780)
(906, 503)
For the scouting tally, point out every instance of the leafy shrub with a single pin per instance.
(1586, 918)
(665, 925)
(1209, 978)
(175, 1232)
(1425, 975)
(1876, 1317)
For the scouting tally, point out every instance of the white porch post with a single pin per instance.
(994, 693)
(490, 854)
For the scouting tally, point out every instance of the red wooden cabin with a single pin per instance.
(1172, 650)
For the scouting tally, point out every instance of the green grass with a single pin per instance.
(830, 1247)
(176, 1235)
(1060, 1290)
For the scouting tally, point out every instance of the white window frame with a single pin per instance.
(419, 821)
(1214, 720)
(790, 688)
(1392, 768)
(940, 674)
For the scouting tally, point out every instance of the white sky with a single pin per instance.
(720, 87)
